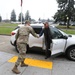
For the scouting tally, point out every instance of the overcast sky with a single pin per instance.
(37, 8)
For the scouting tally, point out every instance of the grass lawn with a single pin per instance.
(64, 27)
(8, 24)
(6, 28)
(69, 31)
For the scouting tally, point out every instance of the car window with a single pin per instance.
(37, 29)
(17, 27)
(55, 33)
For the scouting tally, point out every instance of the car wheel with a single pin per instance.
(71, 53)
(18, 50)
(27, 49)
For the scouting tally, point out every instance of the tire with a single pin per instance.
(27, 49)
(18, 50)
(71, 53)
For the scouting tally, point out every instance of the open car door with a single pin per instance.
(33, 41)
(58, 46)
(59, 42)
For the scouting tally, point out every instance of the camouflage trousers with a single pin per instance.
(22, 47)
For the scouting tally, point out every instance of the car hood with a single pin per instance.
(73, 36)
(71, 40)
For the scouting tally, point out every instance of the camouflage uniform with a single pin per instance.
(22, 37)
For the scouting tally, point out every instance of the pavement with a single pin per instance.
(36, 66)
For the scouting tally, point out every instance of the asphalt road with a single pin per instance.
(61, 65)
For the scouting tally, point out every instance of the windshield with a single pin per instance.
(56, 33)
(63, 33)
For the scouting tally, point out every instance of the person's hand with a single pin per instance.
(38, 36)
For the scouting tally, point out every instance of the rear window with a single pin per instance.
(37, 29)
(17, 27)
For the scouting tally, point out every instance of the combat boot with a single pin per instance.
(23, 64)
(15, 70)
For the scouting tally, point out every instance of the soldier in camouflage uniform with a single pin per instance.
(22, 41)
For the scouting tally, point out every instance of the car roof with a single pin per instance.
(31, 24)
(35, 25)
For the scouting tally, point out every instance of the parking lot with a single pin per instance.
(37, 64)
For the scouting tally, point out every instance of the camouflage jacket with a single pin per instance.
(22, 35)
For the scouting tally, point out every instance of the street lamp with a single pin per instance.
(67, 17)
(67, 22)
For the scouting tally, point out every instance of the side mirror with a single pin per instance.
(70, 35)
(65, 37)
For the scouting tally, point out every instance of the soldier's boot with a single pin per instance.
(15, 70)
(23, 64)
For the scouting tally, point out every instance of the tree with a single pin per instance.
(27, 16)
(0, 18)
(19, 18)
(13, 16)
(39, 19)
(66, 9)
(60, 16)
(48, 20)
(73, 16)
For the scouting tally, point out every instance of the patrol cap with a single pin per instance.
(27, 21)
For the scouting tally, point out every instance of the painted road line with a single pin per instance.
(34, 62)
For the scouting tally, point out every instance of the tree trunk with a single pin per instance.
(68, 23)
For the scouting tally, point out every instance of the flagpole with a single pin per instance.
(21, 14)
(21, 10)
